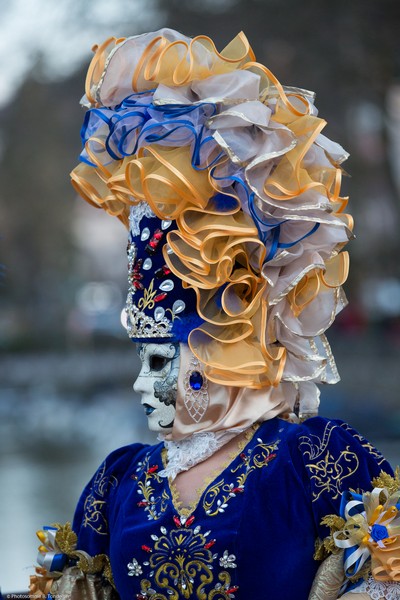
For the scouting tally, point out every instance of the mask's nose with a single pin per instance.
(139, 386)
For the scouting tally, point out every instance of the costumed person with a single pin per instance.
(231, 195)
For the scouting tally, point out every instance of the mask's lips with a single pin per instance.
(148, 409)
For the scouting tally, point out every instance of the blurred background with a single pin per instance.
(66, 367)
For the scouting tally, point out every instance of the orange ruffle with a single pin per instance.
(173, 63)
(385, 562)
(40, 584)
(318, 281)
(215, 251)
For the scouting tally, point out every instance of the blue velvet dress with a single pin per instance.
(251, 535)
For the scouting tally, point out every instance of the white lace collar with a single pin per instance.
(187, 453)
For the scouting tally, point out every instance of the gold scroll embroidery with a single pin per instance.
(182, 565)
(327, 471)
(220, 493)
(94, 505)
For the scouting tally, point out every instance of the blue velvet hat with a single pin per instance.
(158, 307)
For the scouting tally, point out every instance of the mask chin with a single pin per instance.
(162, 418)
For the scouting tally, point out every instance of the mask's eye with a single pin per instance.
(157, 363)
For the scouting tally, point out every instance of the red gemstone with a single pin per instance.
(232, 589)
(209, 544)
(162, 272)
(153, 469)
(237, 490)
(142, 503)
(189, 521)
(160, 297)
(141, 597)
(270, 457)
(177, 521)
(243, 456)
(138, 285)
(147, 548)
(153, 243)
(157, 234)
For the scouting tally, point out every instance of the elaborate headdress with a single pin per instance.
(232, 196)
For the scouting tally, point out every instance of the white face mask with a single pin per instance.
(157, 384)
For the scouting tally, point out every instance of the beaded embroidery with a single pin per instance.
(149, 313)
(147, 477)
(181, 562)
(218, 496)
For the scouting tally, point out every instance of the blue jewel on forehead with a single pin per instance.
(196, 380)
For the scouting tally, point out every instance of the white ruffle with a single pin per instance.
(187, 453)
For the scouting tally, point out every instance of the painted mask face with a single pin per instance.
(157, 384)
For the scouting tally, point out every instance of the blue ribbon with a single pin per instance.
(145, 123)
(140, 108)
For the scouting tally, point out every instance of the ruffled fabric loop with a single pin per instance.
(213, 141)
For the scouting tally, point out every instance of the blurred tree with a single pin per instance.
(40, 145)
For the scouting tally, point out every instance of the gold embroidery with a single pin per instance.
(66, 540)
(365, 444)
(316, 445)
(328, 473)
(147, 300)
(188, 510)
(93, 515)
(153, 504)
(182, 565)
(221, 590)
(384, 480)
(218, 495)
(94, 507)
(327, 546)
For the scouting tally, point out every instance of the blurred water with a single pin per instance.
(59, 417)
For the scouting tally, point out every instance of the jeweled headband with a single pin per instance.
(232, 194)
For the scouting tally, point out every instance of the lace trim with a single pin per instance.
(136, 214)
(188, 510)
(379, 590)
(187, 453)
